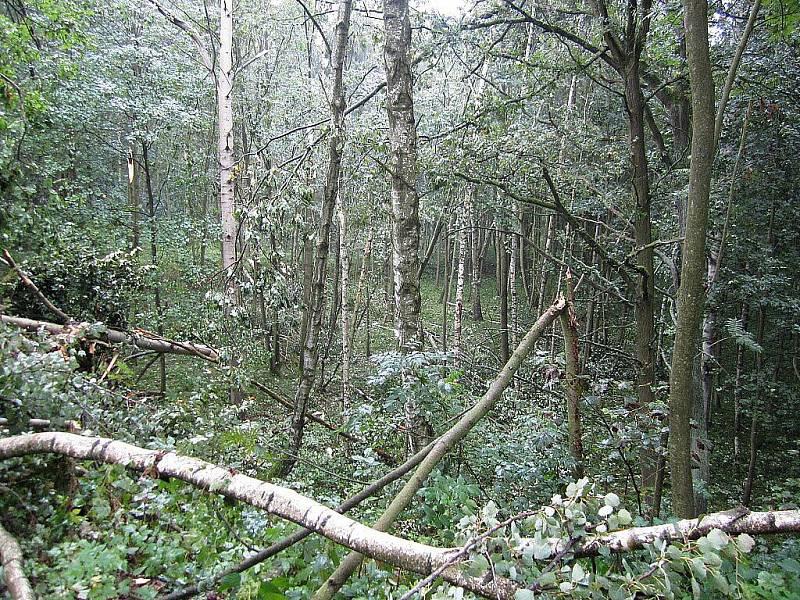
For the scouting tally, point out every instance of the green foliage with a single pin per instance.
(85, 284)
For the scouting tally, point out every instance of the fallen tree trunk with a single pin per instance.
(11, 559)
(143, 340)
(738, 520)
(276, 500)
(406, 554)
(302, 534)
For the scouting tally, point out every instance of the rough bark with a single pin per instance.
(405, 202)
(446, 442)
(144, 340)
(11, 560)
(572, 379)
(691, 294)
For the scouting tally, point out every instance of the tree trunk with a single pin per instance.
(458, 319)
(225, 142)
(151, 210)
(737, 389)
(133, 200)
(505, 351)
(446, 442)
(747, 492)
(317, 304)
(445, 290)
(572, 381)
(344, 279)
(405, 202)
(477, 257)
(691, 294)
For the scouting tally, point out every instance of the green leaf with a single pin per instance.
(523, 595)
(745, 543)
(268, 591)
(232, 581)
(718, 538)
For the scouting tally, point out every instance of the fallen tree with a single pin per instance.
(396, 551)
(276, 500)
(738, 520)
(11, 560)
(144, 340)
(303, 533)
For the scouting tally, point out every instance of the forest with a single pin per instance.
(438, 299)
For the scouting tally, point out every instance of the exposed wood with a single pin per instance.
(144, 340)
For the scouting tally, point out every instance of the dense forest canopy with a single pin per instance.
(316, 299)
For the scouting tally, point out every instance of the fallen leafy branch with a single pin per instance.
(143, 340)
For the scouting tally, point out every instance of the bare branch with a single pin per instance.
(28, 282)
(205, 56)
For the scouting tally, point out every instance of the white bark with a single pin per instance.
(406, 554)
(225, 141)
(276, 500)
(732, 521)
(458, 318)
(11, 560)
(405, 202)
(344, 257)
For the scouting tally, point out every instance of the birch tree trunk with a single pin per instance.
(405, 202)
(344, 279)
(458, 317)
(227, 205)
